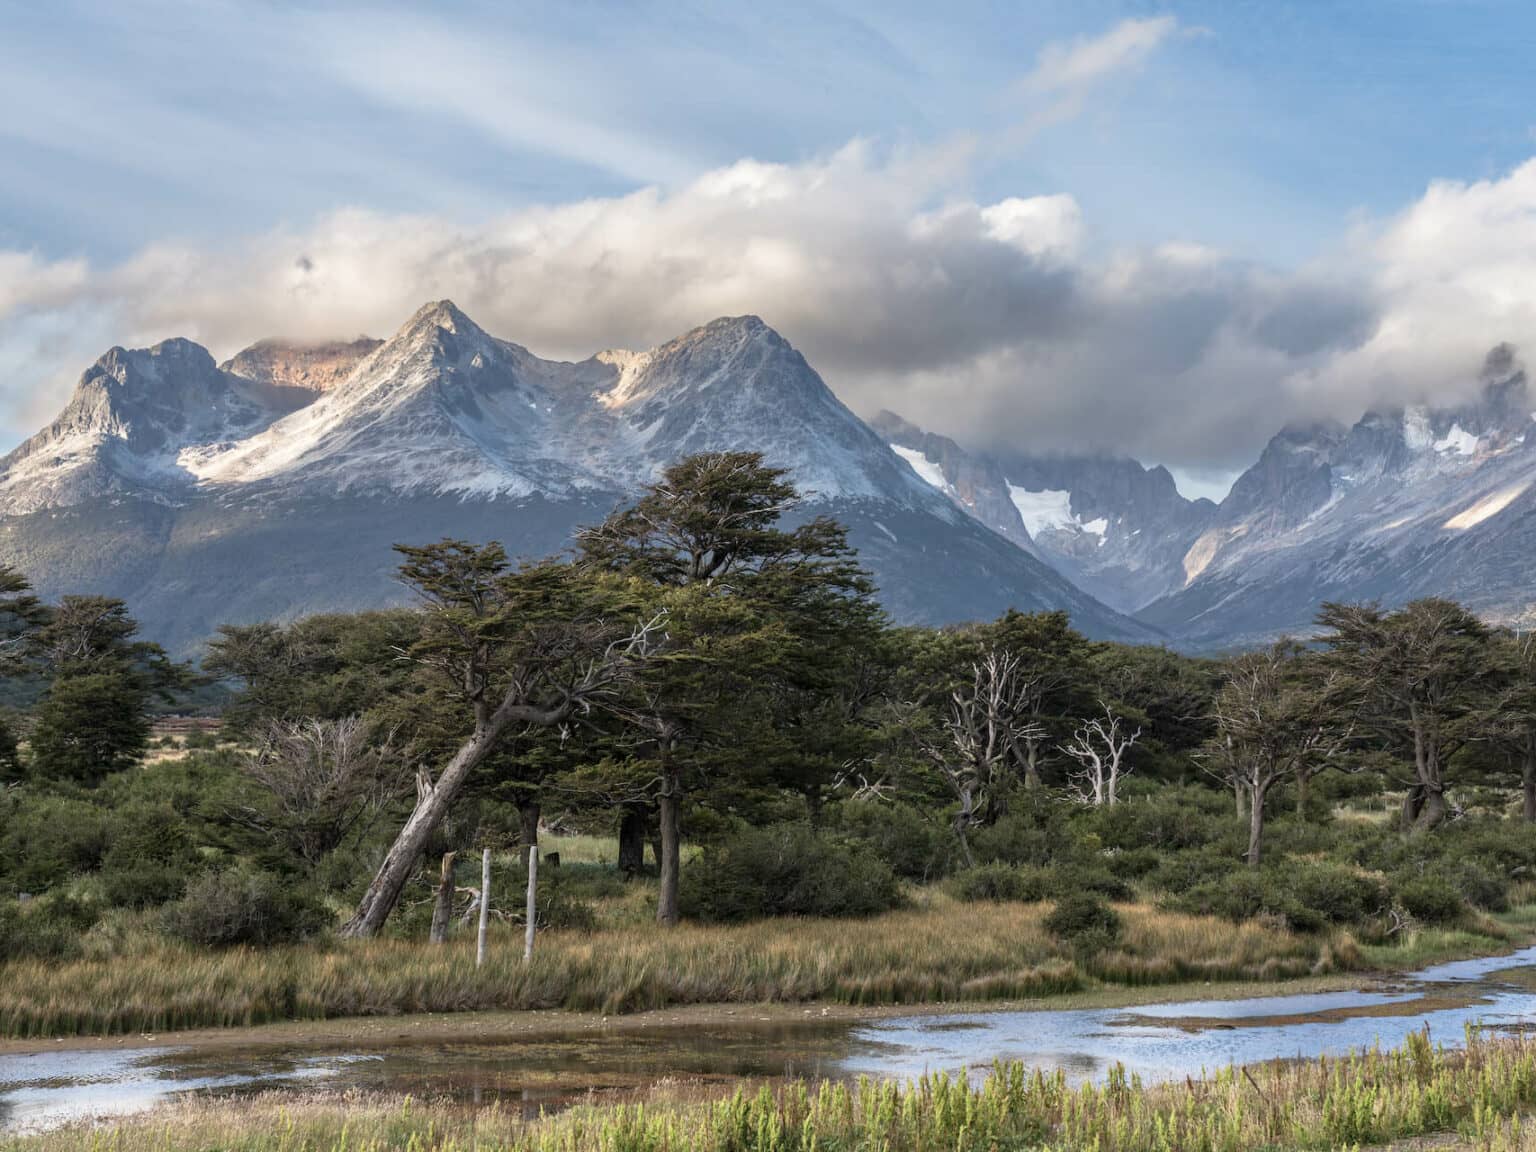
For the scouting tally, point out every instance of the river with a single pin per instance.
(49, 1087)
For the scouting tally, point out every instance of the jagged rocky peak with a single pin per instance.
(974, 482)
(307, 368)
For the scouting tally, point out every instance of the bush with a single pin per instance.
(1430, 900)
(915, 848)
(241, 906)
(1084, 921)
(1032, 834)
(786, 870)
(43, 929)
(1001, 882)
(150, 857)
(1309, 896)
(45, 839)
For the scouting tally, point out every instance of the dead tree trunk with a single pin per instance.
(442, 910)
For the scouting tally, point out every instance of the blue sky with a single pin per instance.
(1266, 132)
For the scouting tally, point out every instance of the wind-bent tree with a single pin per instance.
(746, 599)
(1271, 723)
(528, 647)
(1413, 677)
(1099, 746)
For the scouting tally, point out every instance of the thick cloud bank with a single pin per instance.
(988, 321)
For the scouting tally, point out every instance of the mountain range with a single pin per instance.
(274, 484)
(1411, 502)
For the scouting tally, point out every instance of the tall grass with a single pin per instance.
(1369, 1098)
(946, 951)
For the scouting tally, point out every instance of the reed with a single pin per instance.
(1471, 1099)
(944, 951)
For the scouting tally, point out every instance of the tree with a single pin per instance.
(530, 647)
(1098, 746)
(1413, 677)
(21, 614)
(1271, 723)
(1054, 680)
(746, 601)
(325, 667)
(320, 781)
(980, 738)
(94, 719)
(1510, 721)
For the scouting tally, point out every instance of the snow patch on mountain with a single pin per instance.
(1457, 442)
(1051, 509)
(923, 466)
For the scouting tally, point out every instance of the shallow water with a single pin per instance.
(1164, 1041)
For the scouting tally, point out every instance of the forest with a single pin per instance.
(700, 723)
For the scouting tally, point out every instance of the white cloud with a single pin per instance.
(981, 320)
(1072, 67)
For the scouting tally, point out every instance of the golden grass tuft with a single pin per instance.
(942, 951)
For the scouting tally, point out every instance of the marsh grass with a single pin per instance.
(1477, 1097)
(941, 951)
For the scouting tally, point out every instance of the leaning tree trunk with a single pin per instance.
(632, 840)
(1413, 803)
(528, 814)
(431, 806)
(669, 802)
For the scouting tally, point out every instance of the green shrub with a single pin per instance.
(1003, 882)
(1183, 871)
(48, 928)
(46, 839)
(150, 857)
(786, 870)
(1084, 921)
(1430, 900)
(1033, 833)
(1309, 896)
(241, 906)
(915, 848)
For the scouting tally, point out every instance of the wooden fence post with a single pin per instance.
(485, 905)
(533, 903)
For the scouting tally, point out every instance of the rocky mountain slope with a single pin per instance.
(1409, 503)
(1116, 529)
(274, 484)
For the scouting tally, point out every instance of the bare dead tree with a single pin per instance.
(1098, 747)
(322, 780)
(977, 744)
